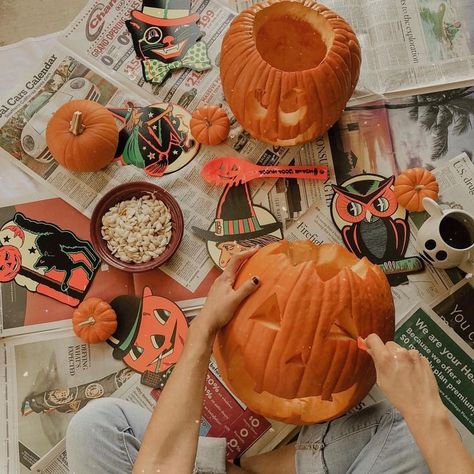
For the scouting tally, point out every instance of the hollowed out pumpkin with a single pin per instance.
(288, 68)
(290, 352)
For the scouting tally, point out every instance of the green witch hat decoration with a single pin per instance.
(236, 218)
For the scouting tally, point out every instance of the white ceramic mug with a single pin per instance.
(446, 238)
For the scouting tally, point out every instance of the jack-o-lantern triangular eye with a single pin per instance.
(268, 313)
(343, 327)
(300, 358)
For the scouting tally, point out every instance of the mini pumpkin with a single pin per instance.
(82, 136)
(288, 68)
(210, 125)
(413, 185)
(94, 320)
(290, 352)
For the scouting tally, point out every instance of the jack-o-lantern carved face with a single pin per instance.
(226, 171)
(160, 337)
(312, 304)
(288, 69)
(10, 263)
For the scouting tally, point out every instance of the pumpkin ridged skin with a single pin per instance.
(309, 370)
(210, 125)
(103, 325)
(412, 186)
(91, 150)
(248, 80)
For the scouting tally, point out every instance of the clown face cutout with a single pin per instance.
(164, 40)
(150, 334)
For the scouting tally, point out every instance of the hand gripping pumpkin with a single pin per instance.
(288, 68)
(82, 136)
(290, 352)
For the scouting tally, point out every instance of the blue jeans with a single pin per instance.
(105, 436)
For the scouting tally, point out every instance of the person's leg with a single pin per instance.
(105, 437)
(357, 443)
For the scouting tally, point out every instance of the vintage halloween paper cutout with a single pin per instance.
(166, 37)
(239, 224)
(155, 138)
(72, 399)
(373, 225)
(46, 259)
(150, 335)
(231, 170)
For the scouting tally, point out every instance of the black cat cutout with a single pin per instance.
(46, 259)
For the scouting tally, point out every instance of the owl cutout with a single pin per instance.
(371, 221)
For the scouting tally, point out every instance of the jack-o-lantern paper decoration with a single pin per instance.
(290, 352)
(288, 68)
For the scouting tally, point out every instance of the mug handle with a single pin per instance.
(432, 207)
(468, 267)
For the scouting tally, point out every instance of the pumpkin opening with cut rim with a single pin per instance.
(291, 37)
(290, 352)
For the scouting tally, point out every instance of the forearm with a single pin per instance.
(170, 440)
(439, 442)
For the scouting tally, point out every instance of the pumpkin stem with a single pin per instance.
(77, 126)
(87, 322)
(419, 187)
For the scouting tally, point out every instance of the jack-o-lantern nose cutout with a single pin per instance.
(290, 352)
(268, 313)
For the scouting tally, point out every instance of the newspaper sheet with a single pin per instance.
(432, 334)
(407, 44)
(47, 378)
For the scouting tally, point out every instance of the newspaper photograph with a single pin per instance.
(49, 377)
(387, 137)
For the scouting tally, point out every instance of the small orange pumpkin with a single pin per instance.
(290, 353)
(210, 125)
(412, 186)
(82, 136)
(288, 68)
(94, 320)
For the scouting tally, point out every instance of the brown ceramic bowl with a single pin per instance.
(125, 192)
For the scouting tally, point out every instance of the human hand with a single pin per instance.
(405, 377)
(222, 300)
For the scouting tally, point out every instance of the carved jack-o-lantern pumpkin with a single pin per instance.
(288, 68)
(10, 263)
(290, 352)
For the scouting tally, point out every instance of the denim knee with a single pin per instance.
(88, 426)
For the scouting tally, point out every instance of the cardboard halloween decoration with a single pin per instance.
(46, 259)
(150, 335)
(231, 170)
(72, 399)
(155, 138)
(239, 224)
(166, 37)
(373, 225)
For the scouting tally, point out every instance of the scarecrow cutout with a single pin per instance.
(238, 225)
(155, 138)
(46, 259)
(373, 224)
(150, 335)
(166, 37)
